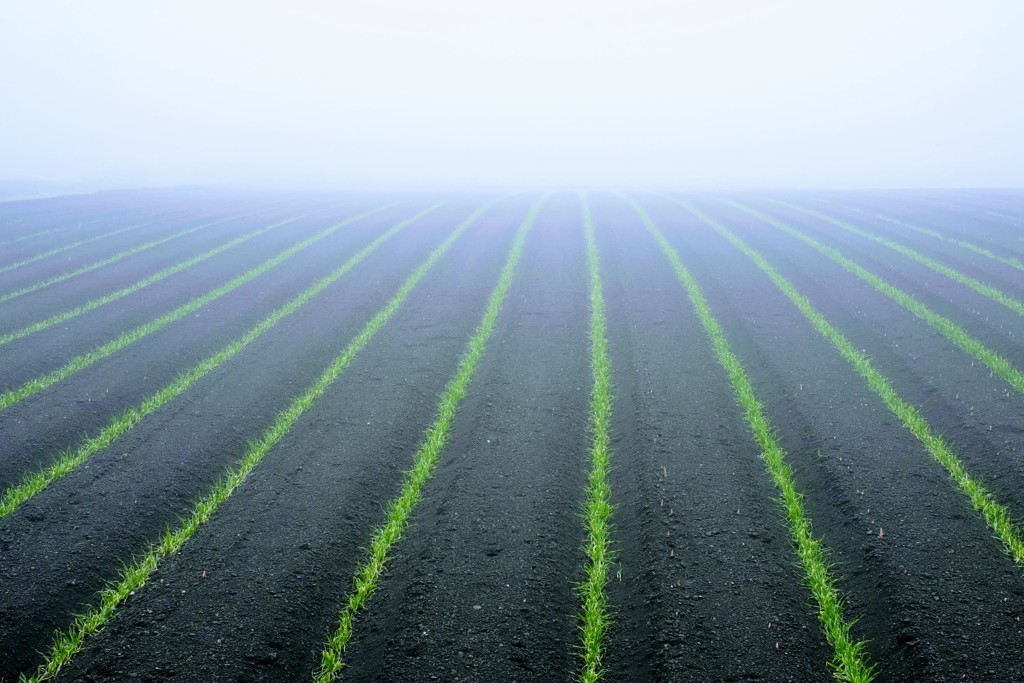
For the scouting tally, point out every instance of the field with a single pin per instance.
(615, 437)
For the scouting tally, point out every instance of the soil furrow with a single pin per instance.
(926, 236)
(58, 299)
(979, 413)
(896, 523)
(982, 317)
(482, 589)
(110, 297)
(250, 513)
(709, 586)
(290, 552)
(85, 263)
(16, 394)
(953, 271)
(167, 462)
(35, 430)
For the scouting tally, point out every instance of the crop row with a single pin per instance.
(102, 263)
(1015, 305)
(12, 396)
(48, 231)
(935, 234)
(134, 576)
(850, 661)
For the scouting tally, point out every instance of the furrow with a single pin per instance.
(953, 332)
(69, 460)
(61, 277)
(970, 246)
(66, 247)
(1015, 219)
(400, 509)
(93, 304)
(995, 514)
(134, 576)
(934, 234)
(47, 232)
(850, 661)
(595, 616)
(989, 291)
(34, 386)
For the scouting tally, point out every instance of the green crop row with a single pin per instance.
(980, 287)
(43, 233)
(850, 661)
(996, 515)
(61, 277)
(78, 363)
(93, 304)
(399, 510)
(65, 247)
(595, 617)
(953, 332)
(71, 459)
(134, 576)
(963, 244)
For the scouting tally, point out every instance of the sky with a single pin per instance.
(452, 94)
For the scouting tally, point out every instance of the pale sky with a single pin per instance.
(471, 94)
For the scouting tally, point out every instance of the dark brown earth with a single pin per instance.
(705, 586)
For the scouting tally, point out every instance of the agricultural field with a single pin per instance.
(564, 437)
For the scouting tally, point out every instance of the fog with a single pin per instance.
(460, 94)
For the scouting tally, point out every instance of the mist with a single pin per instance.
(458, 94)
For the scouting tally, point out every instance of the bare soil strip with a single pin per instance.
(44, 233)
(953, 332)
(974, 227)
(116, 208)
(944, 235)
(110, 260)
(37, 429)
(473, 574)
(963, 244)
(77, 529)
(294, 556)
(66, 247)
(706, 586)
(399, 510)
(1000, 297)
(893, 523)
(989, 205)
(95, 303)
(850, 662)
(66, 462)
(481, 589)
(135, 575)
(996, 515)
(15, 395)
(987, 320)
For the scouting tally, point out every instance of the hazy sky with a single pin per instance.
(446, 93)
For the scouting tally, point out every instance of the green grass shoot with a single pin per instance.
(996, 515)
(134, 576)
(850, 662)
(595, 615)
(399, 510)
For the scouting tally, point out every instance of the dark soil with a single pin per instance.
(103, 514)
(483, 591)
(34, 429)
(871, 475)
(705, 586)
(710, 589)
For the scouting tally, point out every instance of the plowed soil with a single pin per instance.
(705, 585)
